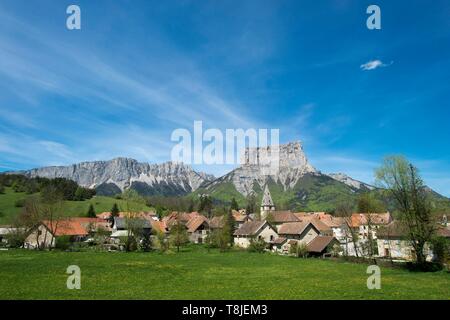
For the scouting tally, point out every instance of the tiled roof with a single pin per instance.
(195, 223)
(121, 223)
(65, 227)
(239, 217)
(320, 243)
(249, 228)
(291, 228)
(141, 214)
(216, 222)
(282, 216)
(158, 226)
(358, 219)
(279, 240)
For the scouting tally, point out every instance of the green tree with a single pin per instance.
(178, 235)
(115, 210)
(91, 212)
(251, 204)
(225, 237)
(403, 182)
(191, 206)
(234, 204)
(367, 203)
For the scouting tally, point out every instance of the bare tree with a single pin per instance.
(345, 211)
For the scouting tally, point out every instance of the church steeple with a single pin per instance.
(267, 203)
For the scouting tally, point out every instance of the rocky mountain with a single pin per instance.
(342, 177)
(255, 171)
(113, 176)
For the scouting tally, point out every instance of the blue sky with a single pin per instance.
(137, 70)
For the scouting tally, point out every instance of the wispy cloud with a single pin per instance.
(374, 64)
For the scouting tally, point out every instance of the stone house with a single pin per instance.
(392, 242)
(198, 229)
(302, 232)
(254, 230)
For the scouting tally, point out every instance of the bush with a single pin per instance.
(19, 203)
(257, 246)
(16, 240)
(63, 243)
(300, 250)
(424, 267)
(441, 249)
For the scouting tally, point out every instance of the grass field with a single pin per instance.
(197, 274)
(71, 208)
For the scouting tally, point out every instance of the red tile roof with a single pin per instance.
(194, 223)
(358, 219)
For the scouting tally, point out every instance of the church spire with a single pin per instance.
(267, 202)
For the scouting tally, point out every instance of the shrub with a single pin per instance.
(63, 242)
(441, 249)
(424, 267)
(300, 250)
(19, 203)
(257, 245)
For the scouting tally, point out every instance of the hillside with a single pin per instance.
(9, 199)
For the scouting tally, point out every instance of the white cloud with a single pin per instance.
(373, 64)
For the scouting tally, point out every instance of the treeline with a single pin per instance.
(204, 204)
(66, 189)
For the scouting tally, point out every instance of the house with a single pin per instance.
(45, 234)
(240, 218)
(197, 228)
(216, 222)
(124, 227)
(322, 245)
(326, 223)
(267, 204)
(159, 226)
(301, 232)
(254, 230)
(361, 221)
(7, 230)
(280, 245)
(392, 242)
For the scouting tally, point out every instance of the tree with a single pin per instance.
(191, 205)
(205, 205)
(251, 204)
(114, 213)
(178, 235)
(226, 234)
(234, 204)
(91, 212)
(403, 182)
(367, 203)
(345, 210)
(2, 189)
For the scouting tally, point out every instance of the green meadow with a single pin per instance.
(9, 209)
(196, 273)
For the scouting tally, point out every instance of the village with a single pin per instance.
(306, 234)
